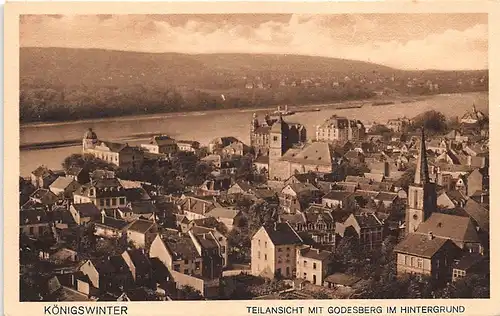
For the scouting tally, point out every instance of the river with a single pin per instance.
(205, 126)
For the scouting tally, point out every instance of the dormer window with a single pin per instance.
(91, 191)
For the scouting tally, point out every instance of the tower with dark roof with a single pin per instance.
(90, 140)
(422, 197)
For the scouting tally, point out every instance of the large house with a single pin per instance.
(161, 144)
(274, 250)
(340, 129)
(105, 193)
(121, 155)
(313, 265)
(426, 255)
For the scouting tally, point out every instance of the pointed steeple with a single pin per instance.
(422, 169)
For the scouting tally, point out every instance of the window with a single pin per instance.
(122, 201)
(258, 255)
(31, 230)
(186, 261)
(305, 263)
(420, 263)
(197, 265)
(186, 271)
(265, 257)
(275, 138)
(101, 202)
(108, 202)
(407, 260)
(305, 275)
(280, 250)
(177, 267)
(222, 249)
(314, 265)
(258, 241)
(265, 244)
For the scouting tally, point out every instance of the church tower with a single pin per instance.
(276, 147)
(253, 127)
(89, 140)
(422, 197)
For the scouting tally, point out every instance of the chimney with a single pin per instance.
(204, 236)
(317, 251)
(430, 236)
(482, 198)
(103, 214)
(275, 226)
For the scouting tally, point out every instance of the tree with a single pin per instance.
(188, 293)
(433, 121)
(86, 161)
(406, 179)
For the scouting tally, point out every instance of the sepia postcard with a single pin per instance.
(248, 158)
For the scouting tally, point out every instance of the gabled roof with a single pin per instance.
(317, 153)
(42, 171)
(282, 234)
(338, 195)
(420, 245)
(468, 261)
(41, 193)
(139, 259)
(456, 228)
(386, 196)
(479, 214)
(111, 222)
(222, 212)
(114, 147)
(86, 209)
(62, 183)
(317, 254)
(141, 226)
(181, 247)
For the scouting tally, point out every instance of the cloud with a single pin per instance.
(408, 42)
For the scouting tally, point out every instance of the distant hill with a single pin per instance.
(61, 84)
(64, 66)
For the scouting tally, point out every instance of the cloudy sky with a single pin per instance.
(407, 41)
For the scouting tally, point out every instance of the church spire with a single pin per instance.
(422, 169)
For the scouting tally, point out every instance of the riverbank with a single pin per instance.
(335, 105)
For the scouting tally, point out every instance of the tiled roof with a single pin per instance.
(468, 261)
(420, 245)
(42, 171)
(114, 147)
(42, 193)
(386, 196)
(222, 212)
(143, 207)
(293, 218)
(62, 183)
(87, 209)
(317, 153)
(282, 234)
(111, 222)
(316, 254)
(480, 214)
(141, 226)
(337, 195)
(181, 247)
(457, 228)
(140, 260)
